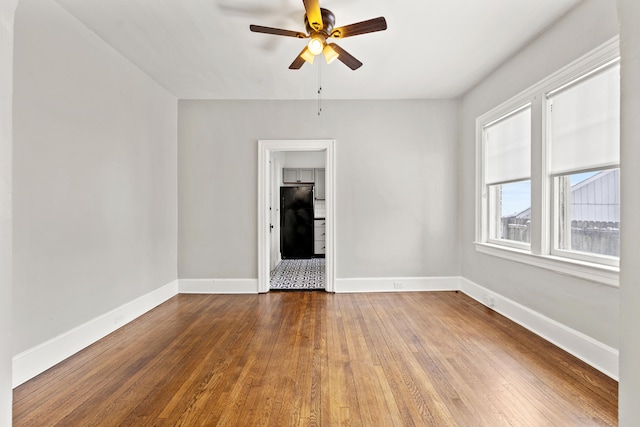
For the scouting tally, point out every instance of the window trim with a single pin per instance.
(539, 253)
(598, 273)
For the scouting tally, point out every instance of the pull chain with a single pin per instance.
(319, 89)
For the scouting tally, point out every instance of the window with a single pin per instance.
(548, 177)
(583, 140)
(512, 218)
(587, 215)
(507, 148)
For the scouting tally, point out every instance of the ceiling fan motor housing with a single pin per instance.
(328, 22)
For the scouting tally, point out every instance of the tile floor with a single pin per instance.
(298, 274)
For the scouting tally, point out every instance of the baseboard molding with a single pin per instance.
(599, 355)
(36, 360)
(32, 362)
(396, 284)
(218, 286)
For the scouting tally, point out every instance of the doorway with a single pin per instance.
(267, 218)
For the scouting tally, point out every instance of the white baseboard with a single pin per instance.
(599, 355)
(36, 360)
(32, 362)
(396, 284)
(218, 286)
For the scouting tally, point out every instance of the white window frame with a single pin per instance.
(488, 208)
(539, 252)
(555, 227)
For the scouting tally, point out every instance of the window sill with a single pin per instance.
(604, 274)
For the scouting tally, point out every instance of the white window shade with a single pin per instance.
(585, 123)
(508, 148)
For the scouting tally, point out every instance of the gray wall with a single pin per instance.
(304, 159)
(396, 183)
(587, 307)
(95, 180)
(7, 8)
(629, 390)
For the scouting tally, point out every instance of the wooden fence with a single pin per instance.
(595, 237)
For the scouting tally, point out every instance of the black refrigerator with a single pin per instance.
(296, 222)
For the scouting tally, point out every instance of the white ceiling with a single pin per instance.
(203, 49)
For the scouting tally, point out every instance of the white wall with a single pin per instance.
(396, 183)
(629, 390)
(95, 179)
(587, 307)
(7, 8)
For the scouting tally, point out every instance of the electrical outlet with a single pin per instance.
(397, 285)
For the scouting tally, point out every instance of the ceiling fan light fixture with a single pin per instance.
(330, 54)
(316, 44)
(307, 56)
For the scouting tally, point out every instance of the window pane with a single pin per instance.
(511, 211)
(588, 213)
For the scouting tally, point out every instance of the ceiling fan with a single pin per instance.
(320, 27)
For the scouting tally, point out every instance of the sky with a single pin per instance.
(516, 196)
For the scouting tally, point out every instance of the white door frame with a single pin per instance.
(265, 148)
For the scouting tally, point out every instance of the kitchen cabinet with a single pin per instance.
(319, 240)
(319, 184)
(298, 175)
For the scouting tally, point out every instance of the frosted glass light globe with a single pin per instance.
(316, 45)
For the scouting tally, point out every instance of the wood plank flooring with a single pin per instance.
(312, 358)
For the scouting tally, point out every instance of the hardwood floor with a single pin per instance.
(312, 358)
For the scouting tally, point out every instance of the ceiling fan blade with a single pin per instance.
(364, 27)
(299, 61)
(314, 15)
(346, 58)
(277, 31)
